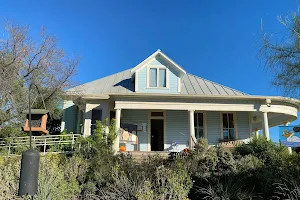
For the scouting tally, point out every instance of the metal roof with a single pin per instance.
(122, 83)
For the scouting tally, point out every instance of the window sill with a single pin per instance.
(160, 88)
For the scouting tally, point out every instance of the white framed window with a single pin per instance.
(157, 77)
(228, 126)
(199, 125)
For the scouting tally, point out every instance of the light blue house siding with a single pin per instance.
(213, 127)
(243, 125)
(70, 113)
(172, 78)
(177, 130)
(135, 117)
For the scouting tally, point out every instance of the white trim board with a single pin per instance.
(206, 107)
(159, 54)
(149, 126)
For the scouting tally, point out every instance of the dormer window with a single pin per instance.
(157, 77)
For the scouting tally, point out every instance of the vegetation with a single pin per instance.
(24, 62)
(258, 170)
(282, 55)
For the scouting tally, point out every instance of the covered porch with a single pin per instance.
(217, 119)
(175, 123)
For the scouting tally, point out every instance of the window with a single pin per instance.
(96, 116)
(228, 126)
(157, 114)
(198, 123)
(112, 115)
(158, 77)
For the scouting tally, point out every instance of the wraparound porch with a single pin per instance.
(180, 116)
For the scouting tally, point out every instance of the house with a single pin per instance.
(171, 108)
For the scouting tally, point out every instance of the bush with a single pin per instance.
(53, 183)
(9, 175)
(202, 159)
(289, 189)
(226, 189)
(12, 130)
(248, 164)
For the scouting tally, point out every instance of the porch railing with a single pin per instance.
(38, 141)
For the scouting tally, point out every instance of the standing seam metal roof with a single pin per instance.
(121, 83)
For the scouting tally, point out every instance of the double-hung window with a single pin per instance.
(228, 126)
(199, 125)
(157, 77)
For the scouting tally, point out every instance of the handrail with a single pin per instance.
(46, 140)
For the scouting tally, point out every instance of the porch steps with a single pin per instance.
(143, 155)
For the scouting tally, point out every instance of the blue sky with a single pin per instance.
(216, 40)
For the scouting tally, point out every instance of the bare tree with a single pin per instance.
(24, 61)
(283, 57)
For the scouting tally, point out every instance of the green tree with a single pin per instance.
(24, 61)
(282, 57)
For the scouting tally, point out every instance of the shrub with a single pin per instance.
(172, 183)
(11, 130)
(261, 148)
(52, 181)
(225, 160)
(226, 189)
(202, 159)
(248, 163)
(289, 189)
(9, 175)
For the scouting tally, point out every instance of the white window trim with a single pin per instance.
(234, 124)
(204, 123)
(157, 67)
(149, 126)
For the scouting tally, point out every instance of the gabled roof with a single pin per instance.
(121, 83)
(161, 55)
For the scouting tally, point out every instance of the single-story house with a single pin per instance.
(170, 108)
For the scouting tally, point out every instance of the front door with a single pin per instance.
(157, 134)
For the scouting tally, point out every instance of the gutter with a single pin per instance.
(293, 101)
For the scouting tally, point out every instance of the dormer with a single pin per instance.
(158, 74)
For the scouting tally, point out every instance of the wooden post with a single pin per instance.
(9, 149)
(73, 141)
(45, 143)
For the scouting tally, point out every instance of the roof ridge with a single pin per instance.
(218, 84)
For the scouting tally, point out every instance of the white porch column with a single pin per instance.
(118, 125)
(257, 134)
(266, 126)
(63, 121)
(191, 129)
(289, 148)
(87, 121)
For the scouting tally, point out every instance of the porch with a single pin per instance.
(174, 123)
(171, 130)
